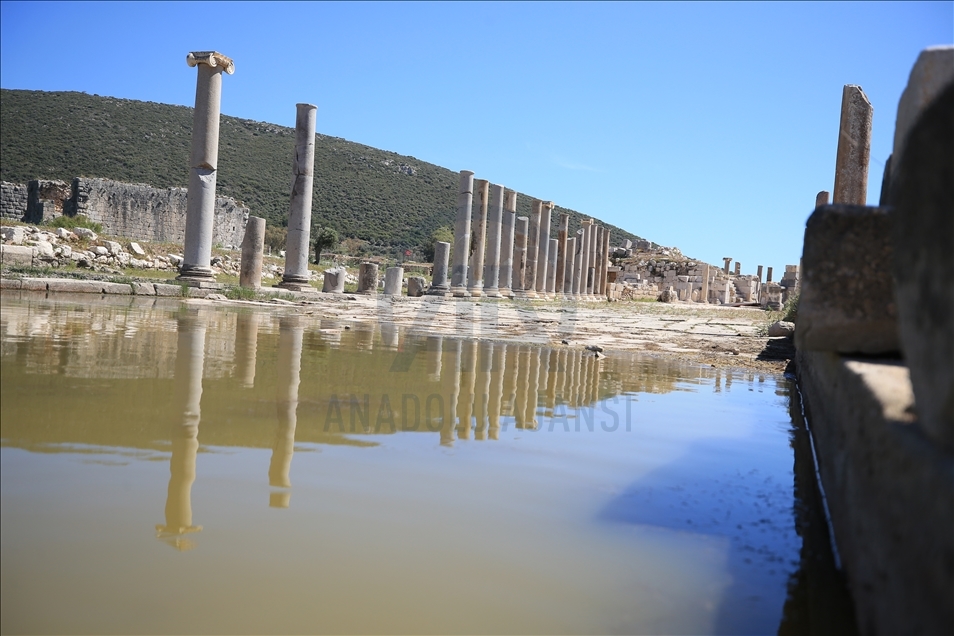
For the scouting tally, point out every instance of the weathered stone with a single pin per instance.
(393, 281)
(465, 200)
(100, 250)
(114, 248)
(10, 283)
(533, 249)
(122, 289)
(509, 223)
(415, 286)
(854, 147)
(19, 255)
(543, 249)
(562, 236)
(475, 270)
(822, 198)
(65, 251)
(85, 233)
(44, 250)
(521, 232)
(781, 328)
(494, 229)
(922, 219)
(12, 234)
(163, 289)
(253, 251)
(440, 285)
(136, 249)
(298, 241)
(334, 281)
(13, 200)
(34, 284)
(70, 286)
(143, 289)
(63, 233)
(846, 302)
(368, 278)
(203, 164)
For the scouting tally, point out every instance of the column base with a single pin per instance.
(493, 293)
(475, 292)
(444, 292)
(524, 294)
(459, 292)
(298, 287)
(199, 283)
(196, 276)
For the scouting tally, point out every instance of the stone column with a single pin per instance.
(521, 232)
(506, 244)
(439, 284)
(334, 281)
(604, 264)
(253, 247)
(738, 268)
(590, 258)
(570, 267)
(475, 270)
(533, 250)
(492, 262)
(854, 147)
(465, 199)
(287, 380)
(393, 281)
(578, 285)
(552, 267)
(598, 263)
(768, 276)
(543, 248)
(196, 267)
(705, 284)
(368, 278)
(561, 254)
(759, 272)
(821, 198)
(727, 260)
(298, 243)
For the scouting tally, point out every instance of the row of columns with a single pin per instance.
(498, 254)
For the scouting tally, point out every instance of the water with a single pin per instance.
(170, 467)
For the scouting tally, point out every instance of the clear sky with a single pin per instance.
(709, 127)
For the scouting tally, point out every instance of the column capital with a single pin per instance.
(212, 58)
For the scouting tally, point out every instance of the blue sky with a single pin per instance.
(709, 127)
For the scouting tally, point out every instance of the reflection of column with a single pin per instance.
(563, 385)
(495, 405)
(465, 403)
(522, 383)
(533, 392)
(447, 428)
(561, 254)
(543, 248)
(533, 247)
(482, 397)
(584, 380)
(465, 200)
(475, 271)
(390, 335)
(552, 369)
(510, 381)
(246, 347)
(287, 378)
(187, 397)
(506, 243)
(433, 349)
(492, 263)
(203, 163)
(597, 364)
(298, 240)
(517, 283)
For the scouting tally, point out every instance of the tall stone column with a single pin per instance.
(506, 244)
(598, 262)
(465, 200)
(196, 266)
(298, 242)
(492, 262)
(518, 277)
(253, 248)
(543, 249)
(727, 260)
(705, 284)
(439, 284)
(533, 248)
(604, 264)
(475, 271)
(586, 288)
(561, 254)
(578, 285)
(570, 267)
(552, 267)
(854, 147)
(768, 275)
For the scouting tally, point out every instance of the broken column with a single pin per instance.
(768, 275)
(439, 284)
(475, 271)
(738, 268)
(334, 281)
(368, 278)
(298, 242)
(704, 295)
(543, 249)
(854, 147)
(727, 260)
(521, 231)
(492, 264)
(465, 199)
(759, 273)
(393, 281)
(506, 243)
(196, 265)
(821, 198)
(533, 242)
(253, 247)
(561, 254)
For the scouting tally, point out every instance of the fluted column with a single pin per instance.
(465, 200)
(578, 261)
(598, 262)
(196, 266)
(552, 268)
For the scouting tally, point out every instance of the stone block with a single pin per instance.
(143, 289)
(33, 284)
(85, 233)
(922, 198)
(846, 303)
(12, 234)
(10, 283)
(69, 286)
(164, 289)
(415, 286)
(21, 255)
(121, 289)
(136, 249)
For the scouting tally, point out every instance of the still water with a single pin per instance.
(168, 467)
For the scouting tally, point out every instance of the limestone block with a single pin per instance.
(69, 286)
(932, 72)
(136, 249)
(63, 233)
(10, 283)
(781, 328)
(33, 284)
(143, 289)
(85, 233)
(415, 286)
(21, 255)
(99, 250)
(12, 234)
(846, 303)
(164, 289)
(922, 195)
(334, 281)
(122, 289)
(44, 250)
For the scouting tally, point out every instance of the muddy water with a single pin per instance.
(170, 467)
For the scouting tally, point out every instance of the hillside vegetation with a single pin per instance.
(392, 201)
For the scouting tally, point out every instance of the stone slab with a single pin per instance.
(164, 289)
(121, 289)
(144, 289)
(10, 283)
(16, 255)
(890, 492)
(847, 302)
(922, 198)
(33, 284)
(65, 285)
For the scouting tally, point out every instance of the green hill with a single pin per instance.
(392, 201)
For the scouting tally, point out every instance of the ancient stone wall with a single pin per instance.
(13, 200)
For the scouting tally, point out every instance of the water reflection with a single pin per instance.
(288, 372)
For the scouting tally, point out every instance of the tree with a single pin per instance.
(325, 239)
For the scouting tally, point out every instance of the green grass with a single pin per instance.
(71, 222)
